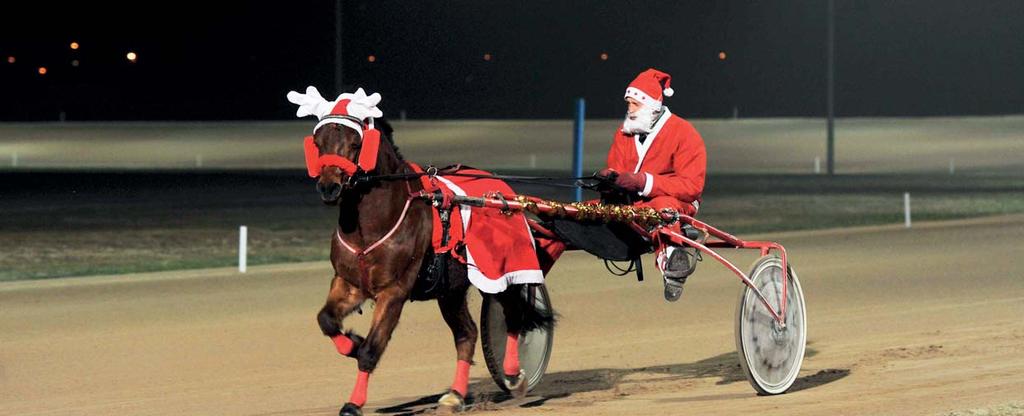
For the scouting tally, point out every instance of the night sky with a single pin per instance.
(236, 60)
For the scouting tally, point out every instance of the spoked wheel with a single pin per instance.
(770, 354)
(534, 346)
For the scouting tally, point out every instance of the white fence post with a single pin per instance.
(817, 165)
(906, 208)
(952, 166)
(199, 161)
(243, 236)
(14, 159)
(533, 160)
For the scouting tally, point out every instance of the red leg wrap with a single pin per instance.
(512, 354)
(358, 397)
(343, 344)
(461, 383)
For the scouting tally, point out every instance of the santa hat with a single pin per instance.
(353, 110)
(649, 86)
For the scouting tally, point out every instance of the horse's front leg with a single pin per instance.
(342, 300)
(455, 311)
(368, 353)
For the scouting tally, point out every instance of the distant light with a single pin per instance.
(132, 57)
(604, 56)
(371, 58)
(10, 59)
(721, 56)
(42, 70)
(74, 45)
(74, 63)
(487, 57)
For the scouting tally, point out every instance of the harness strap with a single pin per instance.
(364, 275)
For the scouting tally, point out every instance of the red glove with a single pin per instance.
(633, 182)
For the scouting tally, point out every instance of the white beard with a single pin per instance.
(640, 121)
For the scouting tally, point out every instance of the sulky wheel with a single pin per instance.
(770, 354)
(534, 346)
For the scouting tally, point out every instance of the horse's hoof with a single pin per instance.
(350, 410)
(516, 384)
(452, 402)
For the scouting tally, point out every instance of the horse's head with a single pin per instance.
(344, 143)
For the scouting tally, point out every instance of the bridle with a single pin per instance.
(367, 159)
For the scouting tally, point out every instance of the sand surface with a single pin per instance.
(922, 321)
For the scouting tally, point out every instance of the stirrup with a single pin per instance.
(686, 255)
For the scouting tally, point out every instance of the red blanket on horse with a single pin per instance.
(499, 248)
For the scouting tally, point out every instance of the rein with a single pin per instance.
(433, 171)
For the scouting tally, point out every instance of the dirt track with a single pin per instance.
(921, 321)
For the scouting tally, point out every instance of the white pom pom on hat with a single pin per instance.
(669, 92)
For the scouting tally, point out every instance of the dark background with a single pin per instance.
(217, 60)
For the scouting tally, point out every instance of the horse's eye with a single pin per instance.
(357, 146)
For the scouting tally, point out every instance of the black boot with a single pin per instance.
(680, 265)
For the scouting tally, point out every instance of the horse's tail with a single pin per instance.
(528, 309)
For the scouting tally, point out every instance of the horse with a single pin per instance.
(381, 245)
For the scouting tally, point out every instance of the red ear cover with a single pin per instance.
(368, 151)
(312, 157)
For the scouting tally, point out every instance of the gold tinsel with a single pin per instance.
(646, 216)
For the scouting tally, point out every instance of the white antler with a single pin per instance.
(310, 103)
(360, 105)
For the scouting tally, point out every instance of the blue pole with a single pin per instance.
(577, 144)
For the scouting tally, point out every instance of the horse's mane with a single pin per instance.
(387, 132)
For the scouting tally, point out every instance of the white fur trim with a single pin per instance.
(343, 121)
(642, 148)
(642, 97)
(499, 285)
(648, 185)
(669, 92)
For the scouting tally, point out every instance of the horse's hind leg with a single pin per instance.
(521, 315)
(512, 308)
(342, 299)
(385, 319)
(455, 311)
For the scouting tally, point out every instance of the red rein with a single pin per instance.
(315, 162)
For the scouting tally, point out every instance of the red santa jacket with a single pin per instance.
(672, 156)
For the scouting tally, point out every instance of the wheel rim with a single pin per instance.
(771, 354)
(535, 347)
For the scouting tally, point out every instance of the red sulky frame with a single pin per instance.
(724, 239)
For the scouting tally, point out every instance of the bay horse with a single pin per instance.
(381, 244)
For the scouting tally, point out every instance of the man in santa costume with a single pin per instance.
(660, 157)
